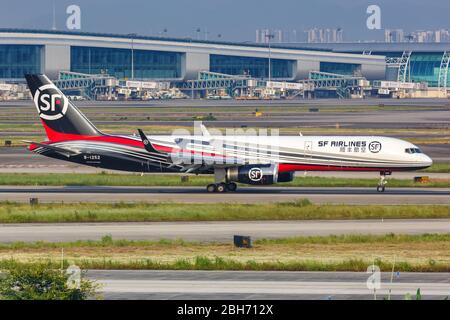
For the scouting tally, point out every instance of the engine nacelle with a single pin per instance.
(262, 174)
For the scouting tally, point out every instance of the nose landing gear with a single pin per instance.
(382, 183)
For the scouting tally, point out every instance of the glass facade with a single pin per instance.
(117, 62)
(255, 67)
(17, 60)
(341, 68)
(424, 67)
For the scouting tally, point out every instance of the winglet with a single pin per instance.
(147, 144)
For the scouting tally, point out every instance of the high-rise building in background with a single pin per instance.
(420, 36)
(336, 35)
(262, 35)
(327, 35)
(394, 35)
(277, 36)
(281, 36)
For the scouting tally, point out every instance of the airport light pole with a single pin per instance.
(269, 36)
(132, 35)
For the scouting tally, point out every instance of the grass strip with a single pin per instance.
(211, 264)
(154, 212)
(424, 253)
(108, 242)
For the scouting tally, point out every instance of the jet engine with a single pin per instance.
(259, 174)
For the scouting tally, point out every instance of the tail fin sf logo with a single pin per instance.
(50, 102)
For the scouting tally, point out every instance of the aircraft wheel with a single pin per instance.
(211, 187)
(380, 188)
(231, 186)
(221, 187)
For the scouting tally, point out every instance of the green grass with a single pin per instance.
(218, 263)
(108, 179)
(443, 167)
(141, 212)
(390, 238)
(108, 242)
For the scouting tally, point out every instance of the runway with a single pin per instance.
(220, 231)
(106, 194)
(250, 285)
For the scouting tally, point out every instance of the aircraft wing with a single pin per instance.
(189, 161)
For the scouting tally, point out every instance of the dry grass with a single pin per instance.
(414, 251)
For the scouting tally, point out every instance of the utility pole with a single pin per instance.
(269, 36)
(132, 35)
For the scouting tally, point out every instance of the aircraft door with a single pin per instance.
(308, 149)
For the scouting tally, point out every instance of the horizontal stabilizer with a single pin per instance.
(64, 152)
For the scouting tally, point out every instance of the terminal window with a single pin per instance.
(348, 69)
(17, 60)
(252, 66)
(425, 68)
(117, 62)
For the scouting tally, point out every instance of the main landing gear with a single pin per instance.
(221, 187)
(382, 183)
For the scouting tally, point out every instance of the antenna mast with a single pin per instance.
(54, 16)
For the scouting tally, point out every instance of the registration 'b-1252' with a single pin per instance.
(247, 159)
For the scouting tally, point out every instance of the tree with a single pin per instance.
(42, 282)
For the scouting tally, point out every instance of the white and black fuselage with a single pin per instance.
(233, 158)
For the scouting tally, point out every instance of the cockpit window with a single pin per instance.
(413, 150)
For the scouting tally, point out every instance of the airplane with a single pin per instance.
(231, 159)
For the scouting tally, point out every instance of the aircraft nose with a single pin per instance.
(427, 161)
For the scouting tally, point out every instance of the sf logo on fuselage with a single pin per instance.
(50, 103)
(255, 174)
(374, 147)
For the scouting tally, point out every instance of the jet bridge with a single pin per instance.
(88, 85)
(343, 85)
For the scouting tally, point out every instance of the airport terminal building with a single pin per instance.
(157, 58)
(197, 68)
(427, 62)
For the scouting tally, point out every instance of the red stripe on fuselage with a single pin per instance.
(55, 136)
(288, 167)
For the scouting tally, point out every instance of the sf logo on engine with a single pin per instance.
(49, 101)
(374, 147)
(255, 174)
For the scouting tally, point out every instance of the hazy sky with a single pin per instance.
(235, 20)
